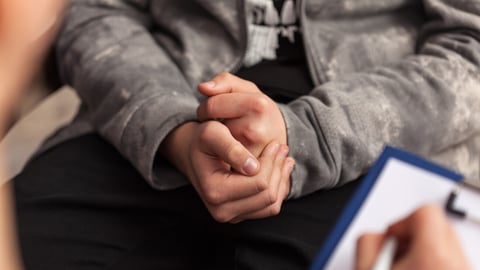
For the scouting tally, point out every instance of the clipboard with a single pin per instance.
(397, 184)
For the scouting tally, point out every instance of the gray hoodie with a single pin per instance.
(398, 72)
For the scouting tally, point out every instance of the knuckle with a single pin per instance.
(220, 215)
(261, 104)
(272, 197)
(251, 85)
(275, 209)
(213, 197)
(207, 131)
(262, 185)
(234, 151)
(255, 133)
(223, 76)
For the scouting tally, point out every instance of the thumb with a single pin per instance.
(225, 83)
(212, 88)
(219, 142)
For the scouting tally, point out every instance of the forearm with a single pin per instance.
(135, 94)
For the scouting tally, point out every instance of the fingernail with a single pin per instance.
(210, 84)
(250, 166)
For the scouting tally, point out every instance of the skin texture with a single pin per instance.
(251, 116)
(238, 166)
(206, 152)
(26, 28)
(426, 240)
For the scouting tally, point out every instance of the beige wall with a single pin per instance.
(40, 113)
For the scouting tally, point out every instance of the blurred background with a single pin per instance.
(43, 109)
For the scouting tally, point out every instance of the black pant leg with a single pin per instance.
(292, 239)
(82, 206)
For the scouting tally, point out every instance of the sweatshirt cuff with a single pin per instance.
(147, 128)
(314, 165)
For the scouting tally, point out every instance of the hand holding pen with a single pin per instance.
(424, 240)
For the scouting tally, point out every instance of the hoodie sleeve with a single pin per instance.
(134, 93)
(426, 103)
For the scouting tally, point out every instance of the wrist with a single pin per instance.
(176, 146)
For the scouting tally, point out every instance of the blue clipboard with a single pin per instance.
(363, 191)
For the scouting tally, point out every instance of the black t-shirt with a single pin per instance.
(275, 58)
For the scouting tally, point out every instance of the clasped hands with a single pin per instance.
(239, 165)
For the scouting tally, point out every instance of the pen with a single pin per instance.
(385, 257)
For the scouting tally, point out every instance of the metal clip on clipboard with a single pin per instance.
(461, 212)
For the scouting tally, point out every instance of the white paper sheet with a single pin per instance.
(399, 190)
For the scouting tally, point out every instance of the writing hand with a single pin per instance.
(205, 153)
(426, 240)
(251, 116)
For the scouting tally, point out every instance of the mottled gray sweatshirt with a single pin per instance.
(399, 72)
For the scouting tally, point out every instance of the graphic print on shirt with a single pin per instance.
(272, 28)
